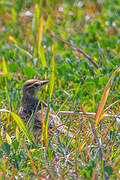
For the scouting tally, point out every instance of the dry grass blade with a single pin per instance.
(80, 147)
(111, 105)
(104, 98)
(107, 130)
(63, 104)
(86, 114)
(76, 49)
(34, 168)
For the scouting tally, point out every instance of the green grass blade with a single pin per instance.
(5, 71)
(42, 55)
(20, 124)
(35, 28)
(52, 78)
(40, 34)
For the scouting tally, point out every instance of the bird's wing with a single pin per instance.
(54, 121)
(24, 116)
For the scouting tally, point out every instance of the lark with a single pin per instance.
(31, 108)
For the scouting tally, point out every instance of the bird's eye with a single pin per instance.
(36, 85)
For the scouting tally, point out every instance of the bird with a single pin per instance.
(31, 106)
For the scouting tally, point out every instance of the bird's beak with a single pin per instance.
(43, 82)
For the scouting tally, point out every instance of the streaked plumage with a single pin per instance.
(31, 108)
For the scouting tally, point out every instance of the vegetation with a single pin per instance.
(74, 44)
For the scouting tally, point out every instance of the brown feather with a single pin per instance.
(31, 110)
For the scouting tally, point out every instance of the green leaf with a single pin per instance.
(13, 67)
(29, 71)
(108, 170)
(15, 144)
(5, 147)
(1, 154)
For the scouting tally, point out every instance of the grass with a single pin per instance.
(48, 45)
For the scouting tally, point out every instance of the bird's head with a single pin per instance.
(31, 87)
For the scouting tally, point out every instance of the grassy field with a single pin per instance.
(76, 46)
